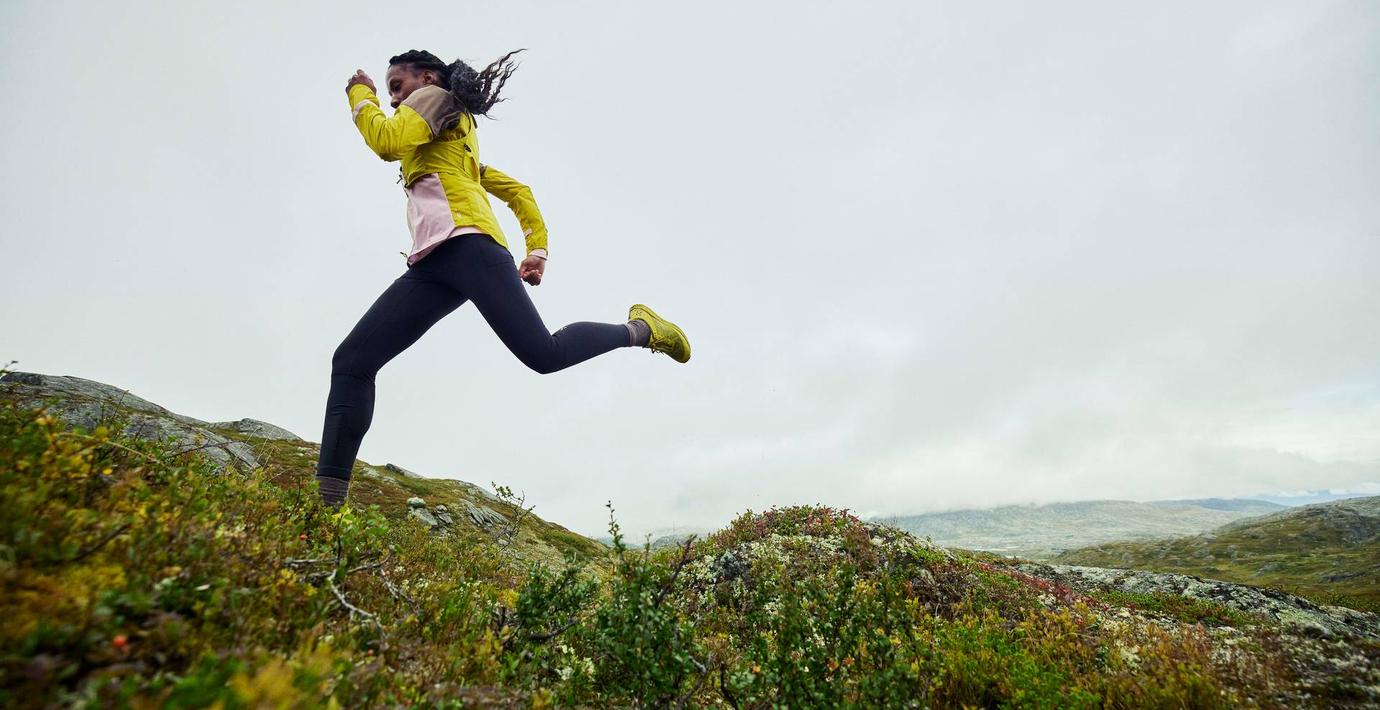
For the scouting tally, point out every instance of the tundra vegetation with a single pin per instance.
(135, 573)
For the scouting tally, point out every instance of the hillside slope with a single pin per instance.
(445, 505)
(1325, 550)
(1042, 531)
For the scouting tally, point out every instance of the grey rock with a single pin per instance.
(1291, 611)
(86, 404)
(425, 516)
(480, 492)
(483, 516)
(414, 502)
(99, 398)
(401, 471)
(263, 430)
(22, 378)
(731, 565)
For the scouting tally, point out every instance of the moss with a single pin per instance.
(567, 542)
(1184, 609)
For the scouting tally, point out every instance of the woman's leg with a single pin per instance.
(408, 308)
(485, 273)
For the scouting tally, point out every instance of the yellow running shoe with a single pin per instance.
(667, 337)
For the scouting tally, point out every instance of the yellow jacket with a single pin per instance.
(416, 135)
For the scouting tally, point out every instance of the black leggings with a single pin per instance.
(470, 267)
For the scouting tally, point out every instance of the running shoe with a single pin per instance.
(667, 337)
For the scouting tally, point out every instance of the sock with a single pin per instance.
(639, 333)
(332, 490)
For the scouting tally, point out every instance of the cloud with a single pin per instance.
(929, 255)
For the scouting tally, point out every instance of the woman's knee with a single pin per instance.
(536, 349)
(349, 359)
(540, 364)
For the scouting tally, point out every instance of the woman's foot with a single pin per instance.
(666, 337)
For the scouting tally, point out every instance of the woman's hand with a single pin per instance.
(531, 269)
(360, 78)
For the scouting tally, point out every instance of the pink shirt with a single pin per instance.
(428, 217)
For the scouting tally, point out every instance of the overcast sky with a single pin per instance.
(929, 255)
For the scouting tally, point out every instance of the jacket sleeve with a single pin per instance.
(519, 199)
(389, 137)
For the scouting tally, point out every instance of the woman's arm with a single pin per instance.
(519, 199)
(389, 137)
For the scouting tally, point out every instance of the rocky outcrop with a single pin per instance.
(485, 517)
(432, 518)
(1326, 647)
(87, 404)
(440, 518)
(1291, 611)
(401, 471)
(263, 430)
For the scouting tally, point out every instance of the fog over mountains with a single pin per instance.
(1042, 531)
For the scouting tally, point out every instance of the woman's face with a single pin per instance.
(403, 80)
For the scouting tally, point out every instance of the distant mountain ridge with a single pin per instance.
(1294, 499)
(1043, 531)
(1252, 506)
(1350, 520)
(1324, 549)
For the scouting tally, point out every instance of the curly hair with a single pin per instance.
(477, 91)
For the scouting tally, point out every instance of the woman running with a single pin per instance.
(458, 252)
